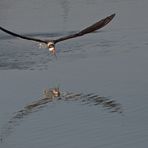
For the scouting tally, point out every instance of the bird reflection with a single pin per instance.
(55, 94)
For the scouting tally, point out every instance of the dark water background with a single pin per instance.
(99, 69)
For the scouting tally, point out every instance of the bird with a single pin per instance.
(50, 44)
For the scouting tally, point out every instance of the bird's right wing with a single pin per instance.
(89, 29)
(22, 36)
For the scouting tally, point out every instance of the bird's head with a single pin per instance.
(51, 93)
(51, 47)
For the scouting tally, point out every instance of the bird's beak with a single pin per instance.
(52, 50)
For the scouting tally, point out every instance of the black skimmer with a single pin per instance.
(50, 44)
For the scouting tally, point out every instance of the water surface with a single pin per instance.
(103, 77)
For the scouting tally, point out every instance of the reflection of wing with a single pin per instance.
(8, 128)
(22, 36)
(89, 29)
(94, 99)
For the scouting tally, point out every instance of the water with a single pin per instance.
(102, 76)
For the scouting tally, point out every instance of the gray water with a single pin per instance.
(103, 76)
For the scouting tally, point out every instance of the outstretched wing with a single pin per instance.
(89, 29)
(22, 36)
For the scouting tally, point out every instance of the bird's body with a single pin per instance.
(50, 44)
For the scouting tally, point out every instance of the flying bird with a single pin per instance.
(50, 44)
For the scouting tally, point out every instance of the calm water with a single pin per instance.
(102, 77)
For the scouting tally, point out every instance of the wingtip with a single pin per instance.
(113, 15)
